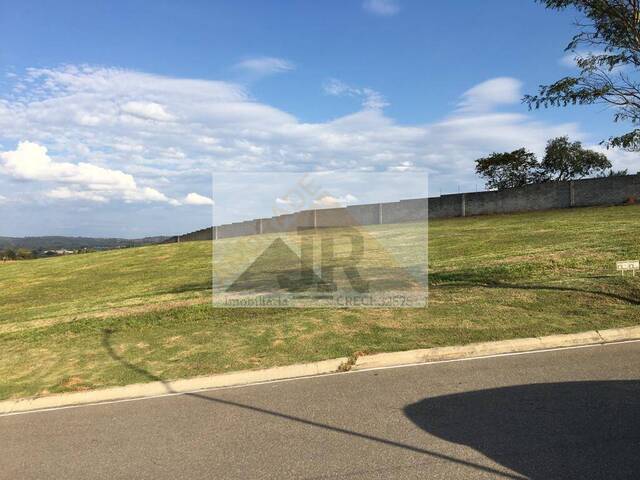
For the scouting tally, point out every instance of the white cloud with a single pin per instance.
(197, 199)
(265, 65)
(216, 126)
(147, 110)
(381, 7)
(620, 159)
(65, 193)
(570, 59)
(329, 201)
(403, 167)
(371, 99)
(490, 94)
(31, 162)
(284, 201)
(3, 199)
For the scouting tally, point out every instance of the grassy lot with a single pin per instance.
(111, 318)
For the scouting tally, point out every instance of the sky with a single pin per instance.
(132, 118)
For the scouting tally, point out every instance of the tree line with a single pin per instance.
(27, 254)
(563, 160)
(18, 254)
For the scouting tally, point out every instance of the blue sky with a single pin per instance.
(113, 114)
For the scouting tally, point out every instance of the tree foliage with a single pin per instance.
(608, 72)
(508, 169)
(9, 254)
(17, 254)
(563, 160)
(24, 254)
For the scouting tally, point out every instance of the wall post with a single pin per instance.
(463, 204)
(572, 194)
(379, 214)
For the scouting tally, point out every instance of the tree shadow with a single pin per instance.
(107, 344)
(188, 287)
(615, 296)
(544, 431)
(471, 279)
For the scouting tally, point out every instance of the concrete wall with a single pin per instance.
(405, 211)
(334, 217)
(239, 229)
(198, 235)
(543, 196)
(445, 206)
(365, 214)
(605, 191)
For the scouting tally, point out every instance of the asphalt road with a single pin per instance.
(562, 414)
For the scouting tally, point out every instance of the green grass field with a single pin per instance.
(135, 315)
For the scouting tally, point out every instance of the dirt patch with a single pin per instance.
(171, 341)
(75, 384)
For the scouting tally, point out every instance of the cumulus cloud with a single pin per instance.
(383, 8)
(284, 201)
(197, 199)
(65, 193)
(371, 99)
(402, 167)
(265, 65)
(329, 201)
(134, 134)
(490, 94)
(621, 159)
(147, 110)
(31, 162)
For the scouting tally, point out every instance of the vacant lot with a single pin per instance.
(117, 317)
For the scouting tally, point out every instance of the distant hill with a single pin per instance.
(75, 243)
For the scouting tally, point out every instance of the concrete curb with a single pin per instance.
(496, 348)
(152, 389)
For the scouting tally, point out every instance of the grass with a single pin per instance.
(123, 316)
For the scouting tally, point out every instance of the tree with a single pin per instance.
(24, 254)
(508, 169)
(565, 160)
(9, 253)
(609, 69)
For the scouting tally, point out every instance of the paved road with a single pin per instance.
(563, 414)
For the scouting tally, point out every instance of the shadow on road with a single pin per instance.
(107, 344)
(544, 431)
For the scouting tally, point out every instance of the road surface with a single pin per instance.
(560, 414)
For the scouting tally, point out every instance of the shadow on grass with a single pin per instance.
(544, 431)
(471, 279)
(188, 287)
(107, 344)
